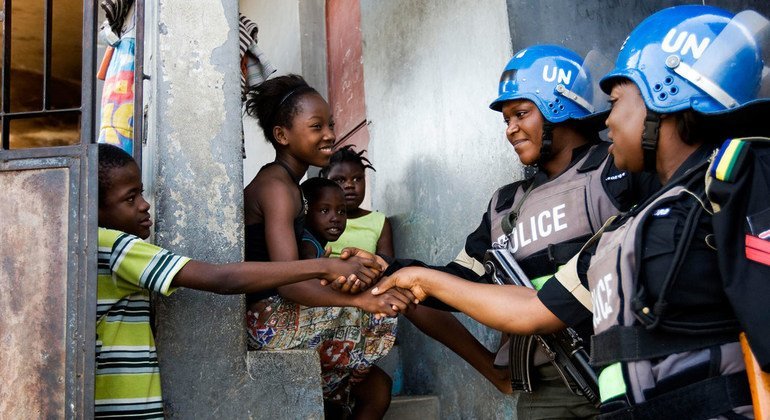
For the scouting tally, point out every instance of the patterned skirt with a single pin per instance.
(348, 340)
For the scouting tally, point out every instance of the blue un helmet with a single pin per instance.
(693, 57)
(556, 80)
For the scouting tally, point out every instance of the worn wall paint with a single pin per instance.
(198, 128)
(196, 158)
(430, 71)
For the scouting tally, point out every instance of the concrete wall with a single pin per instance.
(194, 159)
(430, 71)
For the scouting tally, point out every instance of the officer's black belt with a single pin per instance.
(702, 400)
(627, 344)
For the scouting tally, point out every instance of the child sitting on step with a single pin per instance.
(326, 216)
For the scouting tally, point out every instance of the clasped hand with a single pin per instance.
(389, 302)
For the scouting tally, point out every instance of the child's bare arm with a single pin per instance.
(279, 210)
(249, 277)
(385, 243)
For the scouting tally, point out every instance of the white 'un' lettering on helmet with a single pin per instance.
(684, 43)
(564, 77)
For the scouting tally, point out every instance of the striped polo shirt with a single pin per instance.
(127, 375)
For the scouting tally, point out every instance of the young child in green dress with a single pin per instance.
(368, 230)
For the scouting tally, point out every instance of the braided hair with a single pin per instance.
(347, 154)
(275, 102)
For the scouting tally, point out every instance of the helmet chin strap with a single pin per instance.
(546, 147)
(650, 140)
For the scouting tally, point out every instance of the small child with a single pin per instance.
(326, 216)
(366, 229)
(127, 379)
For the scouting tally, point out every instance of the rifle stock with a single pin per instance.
(759, 381)
(564, 348)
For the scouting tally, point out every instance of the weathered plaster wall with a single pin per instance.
(430, 71)
(196, 163)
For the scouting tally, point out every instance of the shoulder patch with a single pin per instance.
(728, 159)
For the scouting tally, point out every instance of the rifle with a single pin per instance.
(759, 381)
(564, 349)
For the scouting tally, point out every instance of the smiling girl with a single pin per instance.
(341, 327)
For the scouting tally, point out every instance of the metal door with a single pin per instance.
(48, 215)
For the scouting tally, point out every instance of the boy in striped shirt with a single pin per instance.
(127, 376)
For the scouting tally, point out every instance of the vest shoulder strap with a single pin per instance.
(505, 196)
(596, 157)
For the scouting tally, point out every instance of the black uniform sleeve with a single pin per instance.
(561, 302)
(744, 257)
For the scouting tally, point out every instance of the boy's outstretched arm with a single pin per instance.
(511, 309)
(248, 277)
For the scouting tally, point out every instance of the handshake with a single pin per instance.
(361, 271)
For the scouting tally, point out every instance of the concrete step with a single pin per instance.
(288, 382)
(413, 407)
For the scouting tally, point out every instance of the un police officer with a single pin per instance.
(665, 304)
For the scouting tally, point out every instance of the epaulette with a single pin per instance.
(728, 159)
(726, 164)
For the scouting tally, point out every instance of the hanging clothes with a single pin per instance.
(117, 107)
(255, 67)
